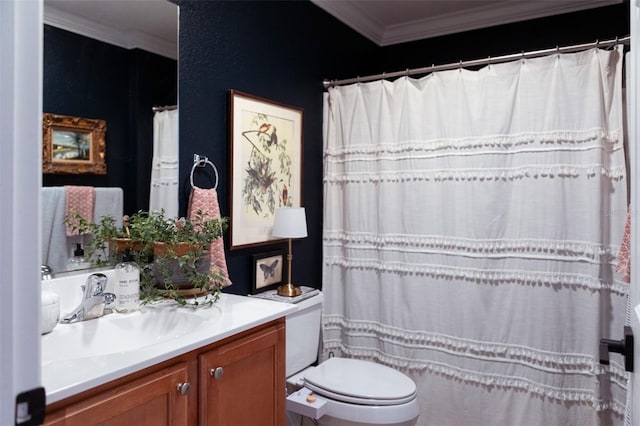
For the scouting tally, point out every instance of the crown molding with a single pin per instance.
(482, 17)
(354, 14)
(350, 14)
(117, 36)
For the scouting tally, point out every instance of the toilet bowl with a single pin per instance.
(341, 391)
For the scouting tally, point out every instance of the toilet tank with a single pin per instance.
(303, 334)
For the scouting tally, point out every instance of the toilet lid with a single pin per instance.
(360, 382)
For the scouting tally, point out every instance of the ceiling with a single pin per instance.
(398, 21)
(153, 24)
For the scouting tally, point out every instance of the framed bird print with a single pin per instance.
(268, 271)
(265, 149)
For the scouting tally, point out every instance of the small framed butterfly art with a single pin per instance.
(268, 270)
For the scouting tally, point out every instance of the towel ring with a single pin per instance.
(201, 162)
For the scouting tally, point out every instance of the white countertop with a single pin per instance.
(232, 314)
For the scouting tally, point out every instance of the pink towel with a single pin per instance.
(79, 200)
(624, 255)
(206, 200)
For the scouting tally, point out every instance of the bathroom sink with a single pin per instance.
(117, 333)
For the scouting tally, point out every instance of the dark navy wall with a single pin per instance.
(87, 78)
(284, 50)
(275, 50)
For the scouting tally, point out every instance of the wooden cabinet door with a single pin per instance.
(153, 400)
(242, 383)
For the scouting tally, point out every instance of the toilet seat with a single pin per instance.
(360, 382)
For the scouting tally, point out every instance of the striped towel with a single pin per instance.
(206, 200)
(79, 200)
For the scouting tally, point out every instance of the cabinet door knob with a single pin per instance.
(184, 388)
(216, 373)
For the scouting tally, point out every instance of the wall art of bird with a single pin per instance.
(261, 175)
(273, 139)
(285, 195)
(264, 127)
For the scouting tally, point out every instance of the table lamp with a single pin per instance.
(290, 222)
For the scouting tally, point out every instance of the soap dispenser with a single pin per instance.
(127, 277)
(77, 261)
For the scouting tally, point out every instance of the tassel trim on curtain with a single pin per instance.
(508, 144)
(491, 381)
(584, 251)
(483, 174)
(554, 362)
(487, 276)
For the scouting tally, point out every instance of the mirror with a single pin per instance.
(113, 61)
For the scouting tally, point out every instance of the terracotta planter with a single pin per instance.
(121, 244)
(118, 246)
(180, 249)
(165, 264)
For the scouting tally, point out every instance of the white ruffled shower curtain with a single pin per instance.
(164, 169)
(471, 225)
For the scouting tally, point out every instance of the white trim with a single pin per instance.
(482, 17)
(116, 36)
(350, 14)
(355, 15)
(20, 181)
(634, 160)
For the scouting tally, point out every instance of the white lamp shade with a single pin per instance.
(290, 222)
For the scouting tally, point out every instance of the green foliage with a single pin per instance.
(96, 247)
(159, 271)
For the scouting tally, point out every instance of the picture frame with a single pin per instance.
(269, 271)
(265, 150)
(73, 145)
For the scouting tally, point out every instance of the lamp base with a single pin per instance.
(289, 290)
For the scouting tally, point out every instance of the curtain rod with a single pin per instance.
(164, 108)
(476, 62)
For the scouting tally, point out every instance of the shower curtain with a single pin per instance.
(471, 225)
(164, 169)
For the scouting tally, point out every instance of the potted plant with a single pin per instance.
(172, 254)
(96, 248)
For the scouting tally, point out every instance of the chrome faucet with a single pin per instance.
(93, 301)
(45, 272)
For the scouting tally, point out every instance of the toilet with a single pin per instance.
(340, 391)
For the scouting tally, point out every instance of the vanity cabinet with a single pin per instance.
(243, 382)
(239, 380)
(152, 400)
